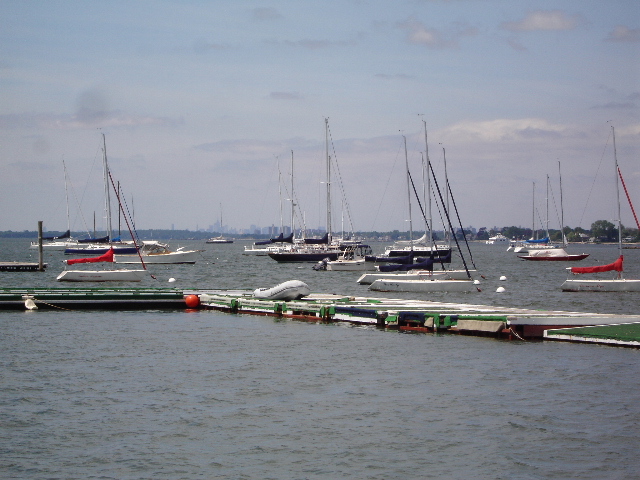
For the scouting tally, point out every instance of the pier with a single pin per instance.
(418, 316)
(20, 266)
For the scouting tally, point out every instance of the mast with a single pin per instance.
(66, 194)
(107, 197)
(615, 161)
(564, 240)
(547, 213)
(428, 194)
(446, 181)
(534, 234)
(292, 199)
(406, 161)
(326, 124)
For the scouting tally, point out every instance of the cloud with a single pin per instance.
(419, 34)
(263, 14)
(201, 46)
(397, 76)
(285, 96)
(624, 34)
(311, 44)
(542, 20)
(50, 121)
(500, 130)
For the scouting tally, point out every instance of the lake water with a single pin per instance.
(202, 394)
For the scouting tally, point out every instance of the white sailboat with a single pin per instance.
(619, 283)
(112, 275)
(421, 279)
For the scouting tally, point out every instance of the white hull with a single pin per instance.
(101, 276)
(350, 265)
(55, 245)
(434, 285)
(614, 285)
(188, 256)
(369, 278)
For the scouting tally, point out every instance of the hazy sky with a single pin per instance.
(200, 101)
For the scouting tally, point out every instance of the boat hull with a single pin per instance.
(101, 276)
(369, 278)
(614, 285)
(350, 266)
(189, 256)
(304, 256)
(565, 258)
(434, 285)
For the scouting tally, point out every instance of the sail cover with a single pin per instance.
(617, 266)
(66, 234)
(106, 257)
(542, 240)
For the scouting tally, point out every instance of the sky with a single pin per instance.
(208, 106)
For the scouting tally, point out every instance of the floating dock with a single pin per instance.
(412, 315)
(91, 298)
(622, 335)
(20, 266)
(400, 314)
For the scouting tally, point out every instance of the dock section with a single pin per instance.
(413, 315)
(91, 298)
(20, 266)
(622, 335)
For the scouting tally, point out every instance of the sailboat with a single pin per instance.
(619, 283)
(116, 275)
(421, 277)
(557, 254)
(220, 239)
(314, 249)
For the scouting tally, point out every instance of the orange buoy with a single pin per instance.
(192, 301)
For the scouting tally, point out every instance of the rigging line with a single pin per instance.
(464, 262)
(594, 179)
(424, 215)
(340, 182)
(385, 189)
(633, 210)
(455, 207)
(126, 219)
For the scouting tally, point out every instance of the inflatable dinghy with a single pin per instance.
(290, 290)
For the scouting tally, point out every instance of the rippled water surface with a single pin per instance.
(200, 394)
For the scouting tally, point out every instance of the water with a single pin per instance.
(173, 395)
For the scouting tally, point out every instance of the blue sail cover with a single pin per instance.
(279, 239)
(95, 240)
(542, 240)
(317, 241)
(423, 264)
(401, 260)
(66, 234)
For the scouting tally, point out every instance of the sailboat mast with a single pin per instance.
(446, 182)
(615, 161)
(292, 199)
(429, 217)
(66, 193)
(564, 241)
(326, 124)
(547, 213)
(107, 196)
(406, 161)
(534, 234)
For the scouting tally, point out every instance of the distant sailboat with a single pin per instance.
(114, 275)
(618, 284)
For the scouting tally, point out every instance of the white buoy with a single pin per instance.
(476, 282)
(171, 280)
(503, 278)
(500, 290)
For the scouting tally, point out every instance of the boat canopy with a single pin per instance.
(542, 240)
(106, 257)
(617, 266)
